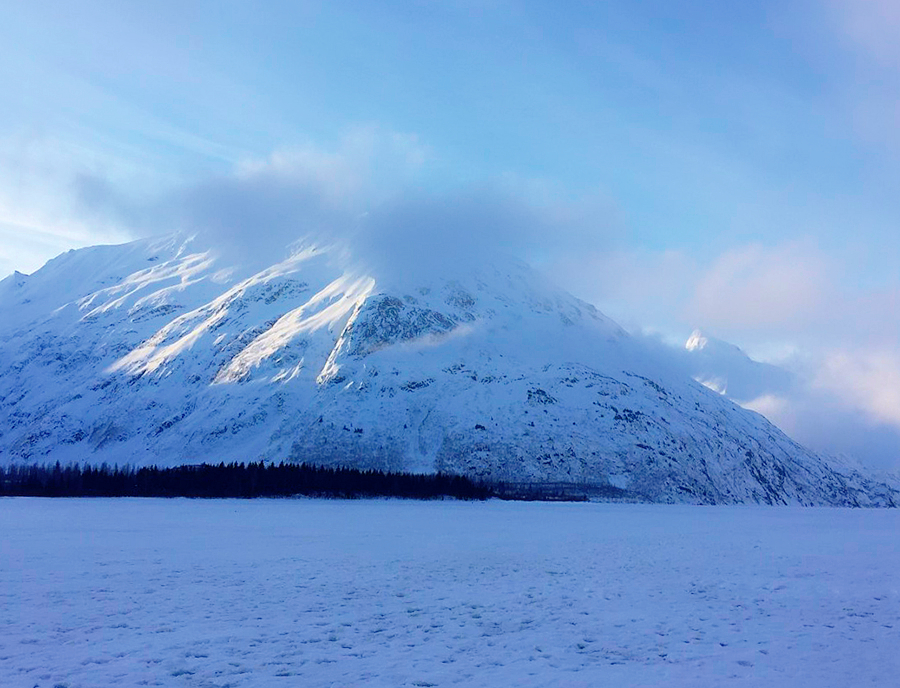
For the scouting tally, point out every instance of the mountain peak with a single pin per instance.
(696, 341)
(162, 354)
(699, 342)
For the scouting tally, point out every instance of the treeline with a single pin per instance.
(231, 480)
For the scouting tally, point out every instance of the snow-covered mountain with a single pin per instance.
(726, 369)
(162, 351)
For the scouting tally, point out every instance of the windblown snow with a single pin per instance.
(160, 351)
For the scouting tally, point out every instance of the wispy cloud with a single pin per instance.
(371, 188)
(869, 380)
(754, 287)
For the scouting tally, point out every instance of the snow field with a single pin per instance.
(395, 593)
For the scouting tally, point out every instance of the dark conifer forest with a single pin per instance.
(240, 480)
(230, 480)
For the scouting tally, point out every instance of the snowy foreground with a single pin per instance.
(394, 593)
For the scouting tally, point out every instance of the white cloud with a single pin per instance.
(748, 289)
(754, 287)
(368, 163)
(55, 195)
(869, 380)
(637, 288)
(41, 214)
(843, 335)
(830, 422)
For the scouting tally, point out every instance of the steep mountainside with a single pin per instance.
(160, 352)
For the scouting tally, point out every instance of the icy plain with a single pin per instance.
(396, 593)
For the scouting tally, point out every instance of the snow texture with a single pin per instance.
(161, 351)
(97, 593)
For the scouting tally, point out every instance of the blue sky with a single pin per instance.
(702, 124)
(698, 119)
(730, 166)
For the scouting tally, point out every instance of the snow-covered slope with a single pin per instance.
(726, 369)
(159, 352)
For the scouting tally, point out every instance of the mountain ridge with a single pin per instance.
(159, 352)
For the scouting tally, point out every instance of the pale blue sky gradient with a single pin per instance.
(706, 123)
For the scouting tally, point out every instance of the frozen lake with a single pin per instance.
(393, 593)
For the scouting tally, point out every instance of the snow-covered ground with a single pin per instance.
(394, 593)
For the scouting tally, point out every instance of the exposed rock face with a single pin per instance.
(152, 352)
